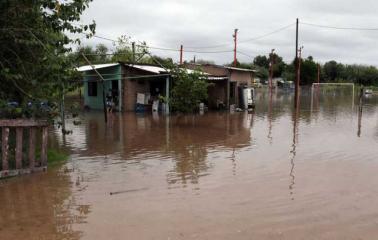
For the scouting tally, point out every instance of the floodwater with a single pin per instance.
(274, 174)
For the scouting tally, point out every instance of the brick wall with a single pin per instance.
(133, 86)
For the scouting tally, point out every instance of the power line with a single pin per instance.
(244, 41)
(163, 48)
(339, 28)
(267, 34)
(245, 54)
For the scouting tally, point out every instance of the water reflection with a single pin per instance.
(270, 106)
(139, 137)
(293, 151)
(360, 109)
(40, 207)
(156, 177)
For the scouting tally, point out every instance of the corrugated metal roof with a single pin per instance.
(148, 68)
(213, 78)
(241, 69)
(96, 66)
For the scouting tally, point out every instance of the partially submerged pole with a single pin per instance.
(103, 86)
(271, 70)
(167, 95)
(296, 96)
(62, 112)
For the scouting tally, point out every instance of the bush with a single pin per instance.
(189, 89)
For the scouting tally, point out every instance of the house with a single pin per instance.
(124, 81)
(133, 84)
(227, 82)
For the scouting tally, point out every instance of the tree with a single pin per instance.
(278, 65)
(309, 71)
(101, 51)
(330, 70)
(188, 91)
(261, 61)
(34, 47)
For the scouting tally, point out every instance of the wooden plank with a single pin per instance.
(18, 150)
(32, 148)
(44, 146)
(4, 148)
(23, 123)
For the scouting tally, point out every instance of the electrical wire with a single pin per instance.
(267, 34)
(159, 48)
(243, 41)
(245, 54)
(338, 28)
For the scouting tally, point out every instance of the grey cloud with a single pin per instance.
(169, 23)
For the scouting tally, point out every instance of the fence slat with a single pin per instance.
(44, 146)
(32, 148)
(4, 148)
(18, 151)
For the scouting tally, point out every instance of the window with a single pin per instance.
(92, 89)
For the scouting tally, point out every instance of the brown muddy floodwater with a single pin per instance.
(273, 174)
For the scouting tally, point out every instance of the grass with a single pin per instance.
(55, 157)
(76, 92)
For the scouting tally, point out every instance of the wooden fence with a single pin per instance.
(19, 157)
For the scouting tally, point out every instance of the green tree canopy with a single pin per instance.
(34, 47)
(189, 89)
(261, 61)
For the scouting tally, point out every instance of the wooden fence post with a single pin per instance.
(18, 151)
(32, 148)
(44, 147)
(20, 125)
(4, 148)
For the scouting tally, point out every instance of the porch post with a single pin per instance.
(167, 95)
(228, 93)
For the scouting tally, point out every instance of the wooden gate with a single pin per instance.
(18, 154)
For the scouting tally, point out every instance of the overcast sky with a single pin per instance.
(202, 23)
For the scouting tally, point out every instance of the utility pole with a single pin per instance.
(299, 65)
(271, 69)
(318, 74)
(296, 96)
(181, 52)
(133, 49)
(235, 36)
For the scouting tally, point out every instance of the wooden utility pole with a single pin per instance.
(133, 49)
(235, 36)
(181, 53)
(103, 86)
(271, 57)
(299, 65)
(296, 96)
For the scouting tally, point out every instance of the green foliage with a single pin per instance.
(189, 89)
(309, 71)
(46, 110)
(261, 61)
(359, 74)
(262, 72)
(35, 63)
(56, 156)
